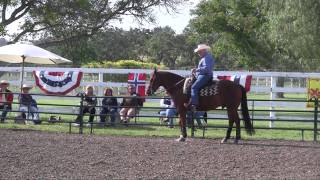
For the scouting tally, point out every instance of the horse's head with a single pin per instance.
(154, 83)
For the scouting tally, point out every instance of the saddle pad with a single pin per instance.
(210, 90)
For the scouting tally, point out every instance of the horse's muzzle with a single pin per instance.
(149, 92)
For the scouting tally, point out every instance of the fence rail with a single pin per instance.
(263, 82)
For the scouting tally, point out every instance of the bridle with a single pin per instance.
(169, 88)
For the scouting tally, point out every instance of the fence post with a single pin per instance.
(315, 127)
(81, 115)
(192, 123)
(272, 114)
(100, 89)
(252, 112)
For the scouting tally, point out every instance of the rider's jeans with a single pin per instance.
(195, 88)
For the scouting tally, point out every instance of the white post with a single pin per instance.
(100, 88)
(272, 114)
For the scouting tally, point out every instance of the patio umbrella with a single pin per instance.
(28, 53)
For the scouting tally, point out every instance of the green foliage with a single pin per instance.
(236, 23)
(262, 34)
(65, 20)
(127, 64)
(164, 46)
(293, 32)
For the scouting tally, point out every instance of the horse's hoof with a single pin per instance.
(224, 140)
(181, 139)
(236, 141)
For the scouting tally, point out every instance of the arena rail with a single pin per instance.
(150, 112)
(263, 82)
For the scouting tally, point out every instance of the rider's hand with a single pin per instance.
(193, 71)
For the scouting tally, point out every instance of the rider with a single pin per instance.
(203, 74)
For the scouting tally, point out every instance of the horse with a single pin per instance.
(230, 95)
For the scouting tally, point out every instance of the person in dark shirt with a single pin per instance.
(130, 104)
(89, 103)
(109, 107)
(6, 98)
(28, 105)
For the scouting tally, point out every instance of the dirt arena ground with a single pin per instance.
(40, 155)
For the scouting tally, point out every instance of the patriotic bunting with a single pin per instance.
(59, 83)
(244, 80)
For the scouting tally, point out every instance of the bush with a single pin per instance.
(123, 64)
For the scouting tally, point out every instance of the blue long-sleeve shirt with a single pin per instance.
(205, 66)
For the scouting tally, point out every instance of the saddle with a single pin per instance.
(210, 89)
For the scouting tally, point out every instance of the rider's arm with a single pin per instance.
(206, 65)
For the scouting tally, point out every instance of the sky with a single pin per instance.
(177, 21)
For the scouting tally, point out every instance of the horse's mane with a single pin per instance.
(171, 76)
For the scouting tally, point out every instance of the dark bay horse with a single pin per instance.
(230, 95)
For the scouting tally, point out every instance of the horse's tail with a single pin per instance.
(245, 112)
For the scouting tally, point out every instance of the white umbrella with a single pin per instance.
(28, 53)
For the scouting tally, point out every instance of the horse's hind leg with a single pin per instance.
(238, 130)
(233, 117)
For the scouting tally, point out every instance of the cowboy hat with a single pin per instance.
(4, 82)
(27, 86)
(201, 47)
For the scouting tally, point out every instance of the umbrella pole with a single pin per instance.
(22, 72)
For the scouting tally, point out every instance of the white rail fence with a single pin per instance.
(262, 82)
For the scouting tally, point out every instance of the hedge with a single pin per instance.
(123, 64)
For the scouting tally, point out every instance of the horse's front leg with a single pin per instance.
(231, 117)
(183, 129)
(225, 139)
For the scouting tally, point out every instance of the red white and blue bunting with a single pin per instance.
(60, 83)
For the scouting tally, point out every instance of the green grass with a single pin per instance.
(161, 131)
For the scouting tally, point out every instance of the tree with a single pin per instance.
(237, 24)
(65, 20)
(294, 28)
(163, 46)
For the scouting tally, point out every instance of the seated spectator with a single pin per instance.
(109, 107)
(27, 105)
(89, 104)
(169, 112)
(130, 105)
(6, 98)
(198, 115)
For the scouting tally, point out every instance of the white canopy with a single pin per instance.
(17, 53)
